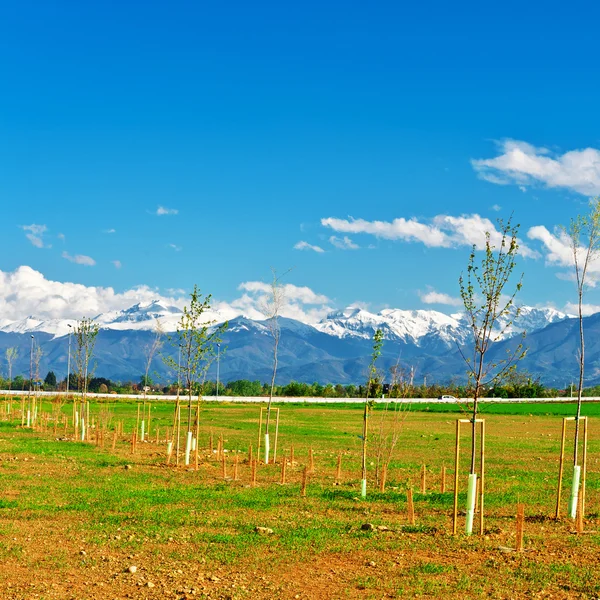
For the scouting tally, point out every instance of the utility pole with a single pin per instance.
(218, 365)
(69, 359)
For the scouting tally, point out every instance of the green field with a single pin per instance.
(74, 516)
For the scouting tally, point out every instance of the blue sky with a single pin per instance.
(203, 143)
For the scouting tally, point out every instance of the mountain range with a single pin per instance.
(336, 349)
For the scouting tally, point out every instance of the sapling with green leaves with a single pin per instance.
(196, 339)
(584, 240)
(373, 382)
(490, 311)
(86, 332)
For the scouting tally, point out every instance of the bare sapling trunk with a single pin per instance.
(372, 382)
(271, 310)
(584, 237)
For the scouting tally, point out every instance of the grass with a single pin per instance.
(72, 497)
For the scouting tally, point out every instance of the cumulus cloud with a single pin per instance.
(299, 302)
(433, 297)
(586, 309)
(117, 264)
(79, 259)
(344, 243)
(559, 253)
(302, 245)
(26, 292)
(175, 247)
(496, 207)
(523, 164)
(35, 234)
(109, 231)
(162, 211)
(444, 231)
(399, 229)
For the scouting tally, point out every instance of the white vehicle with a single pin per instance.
(446, 397)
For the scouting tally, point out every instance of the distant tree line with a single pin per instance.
(517, 385)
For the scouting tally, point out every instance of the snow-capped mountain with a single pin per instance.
(418, 326)
(335, 350)
(414, 326)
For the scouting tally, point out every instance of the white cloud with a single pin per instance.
(433, 297)
(525, 165)
(109, 231)
(299, 302)
(344, 243)
(399, 229)
(559, 253)
(79, 259)
(444, 231)
(25, 292)
(161, 211)
(302, 245)
(496, 207)
(36, 234)
(117, 263)
(61, 236)
(587, 309)
(175, 247)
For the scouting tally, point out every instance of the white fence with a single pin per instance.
(297, 399)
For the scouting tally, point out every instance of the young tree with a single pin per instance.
(584, 237)
(150, 350)
(85, 332)
(490, 313)
(11, 356)
(196, 339)
(271, 310)
(372, 381)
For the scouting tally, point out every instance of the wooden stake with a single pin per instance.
(283, 464)
(579, 516)
(482, 478)
(456, 455)
(584, 466)
(276, 437)
(224, 466)
(423, 475)
(133, 435)
(197, 436)
(304, 480)
(520, 522)
(561, 468)
(410, 506)
(383, 479)
(338, 472)
(259, 431)
(178, 433)
(137, 422)
(114, 441)
(254, 472)
(443, 482)
(250, 454)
